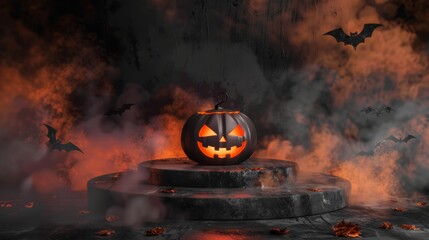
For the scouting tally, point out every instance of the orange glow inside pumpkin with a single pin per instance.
(211, 151)
(237, 131)
(209, 113)
(205, 131)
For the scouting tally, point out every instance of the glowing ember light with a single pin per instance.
(112, 218)
(115, 176)
(398, 209)
(346, 229)
(421, 204)
(6, 204)
(386, 225)
(314, 189)
(257, 169)
(168, 190)
(210, 113)
(29, 205)
(106, 232)
(155, 231)
(408, 226)
(279, 231)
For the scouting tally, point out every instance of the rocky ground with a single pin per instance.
(63, 216)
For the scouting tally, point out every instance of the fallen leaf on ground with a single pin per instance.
(398, 209)
(386, 225)
(112, 218)
(155, 231)
(106, 232)
(346, 229)
(408, 226)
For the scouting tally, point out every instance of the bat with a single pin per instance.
(118, 111)
(56, 143)
(353, 39)
(396, 140)
(377, 110)
(371, 151)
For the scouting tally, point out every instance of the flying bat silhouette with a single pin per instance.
(396, 140)
(371, 151)
(118, 111)
(56, 142)
(354, 39)
(377, 110)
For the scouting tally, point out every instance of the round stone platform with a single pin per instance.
(312, 193)
(255, 172)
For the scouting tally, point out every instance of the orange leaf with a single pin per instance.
(106, 232)
(408, 226)
(346, 229)
(155, 231)
(386, 225)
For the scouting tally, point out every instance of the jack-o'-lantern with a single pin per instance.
(219, 136)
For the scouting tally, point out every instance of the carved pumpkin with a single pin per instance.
(219, 137)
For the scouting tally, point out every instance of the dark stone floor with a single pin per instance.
(58, 217)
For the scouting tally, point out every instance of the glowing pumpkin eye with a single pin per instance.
(206, 132)
(237, 131)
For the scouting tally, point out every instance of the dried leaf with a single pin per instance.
(278, 231)
(168, 190)
(106, 232)
(112, 218)
(386, 225)
(314, 189)
(420, 204)
(155, 231)
(408, 226)
(398, 209)
(346, 229)
(29, 205)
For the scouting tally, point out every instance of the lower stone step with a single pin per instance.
(313, 193)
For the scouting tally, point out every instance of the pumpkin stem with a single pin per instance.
(221, 98)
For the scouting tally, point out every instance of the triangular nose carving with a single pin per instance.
(222, 139)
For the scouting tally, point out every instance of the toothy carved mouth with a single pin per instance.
(210, 151)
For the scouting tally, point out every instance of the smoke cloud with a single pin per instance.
(303, 90)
